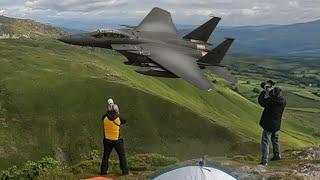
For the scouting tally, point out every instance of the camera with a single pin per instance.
(267, 85)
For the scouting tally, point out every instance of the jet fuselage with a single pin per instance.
(106, 38)
(158, 49)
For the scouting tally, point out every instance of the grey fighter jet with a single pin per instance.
(157, 48)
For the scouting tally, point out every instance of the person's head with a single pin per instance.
(275, 92)
(110, 101)
(112, 106)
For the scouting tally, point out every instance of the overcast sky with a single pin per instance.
(233, 12)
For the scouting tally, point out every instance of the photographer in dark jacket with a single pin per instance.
(271, 121)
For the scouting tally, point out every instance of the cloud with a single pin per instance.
(73, 5)
(2, 11)
(294, 4)
(233, 12)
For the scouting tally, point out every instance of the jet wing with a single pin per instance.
(179, 64)
(158, 20)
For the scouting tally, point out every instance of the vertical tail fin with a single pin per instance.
(215, 56)
(204, 31)
(158, 20)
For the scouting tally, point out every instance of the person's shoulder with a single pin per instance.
(104, 116)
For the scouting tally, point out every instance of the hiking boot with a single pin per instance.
(263, 163)
(275, 158)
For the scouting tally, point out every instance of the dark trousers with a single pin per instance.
(108, 146)
(266, 136)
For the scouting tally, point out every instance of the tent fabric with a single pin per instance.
(195, 173)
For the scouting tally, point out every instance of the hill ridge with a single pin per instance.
(14, 28)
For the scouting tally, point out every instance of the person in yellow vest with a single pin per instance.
(112, 138)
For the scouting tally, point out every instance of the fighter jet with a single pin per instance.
(156, 47)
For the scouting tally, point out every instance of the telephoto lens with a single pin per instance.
(262, 85)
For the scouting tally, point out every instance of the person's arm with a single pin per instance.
(122, 120)
(102, 120)
(261, 99)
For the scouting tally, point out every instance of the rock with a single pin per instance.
(60, 155)
(247, 172)
(309, 170)
(305, 165)
(3, 123)
(312, 153)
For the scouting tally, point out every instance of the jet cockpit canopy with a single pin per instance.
(109, 33)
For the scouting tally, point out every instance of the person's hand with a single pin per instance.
(269, 89)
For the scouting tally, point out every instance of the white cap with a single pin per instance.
(110, 101)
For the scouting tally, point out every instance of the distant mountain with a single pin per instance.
(301, 39)
(85, 26)
(16, 28)
(72, 30)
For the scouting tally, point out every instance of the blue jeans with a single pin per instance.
(266, 136)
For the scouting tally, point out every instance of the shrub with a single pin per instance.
(11, 173)
(92, 155)
(31, 169)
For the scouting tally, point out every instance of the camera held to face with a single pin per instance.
(268, 85)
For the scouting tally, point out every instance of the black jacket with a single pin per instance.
(272, 113)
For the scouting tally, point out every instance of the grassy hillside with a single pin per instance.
(52, 97)
(28, 28)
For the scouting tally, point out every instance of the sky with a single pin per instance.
(100, 12)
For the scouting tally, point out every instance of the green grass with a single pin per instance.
(53, 95)
(141, 166)
(312, 110)
(308, 95)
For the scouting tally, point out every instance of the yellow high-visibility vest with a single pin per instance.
(111, 128)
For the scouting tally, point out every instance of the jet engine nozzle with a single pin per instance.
(202, 47)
